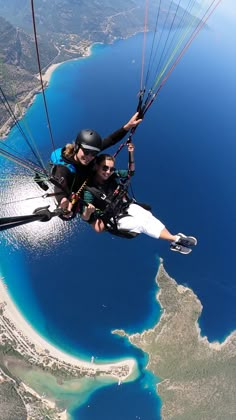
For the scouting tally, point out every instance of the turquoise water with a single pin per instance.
(79, 286)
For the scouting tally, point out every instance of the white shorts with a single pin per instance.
(141, 221)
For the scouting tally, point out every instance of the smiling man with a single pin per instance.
(73, 163)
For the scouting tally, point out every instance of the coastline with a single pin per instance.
(42, 346)
(28, 100)
(30, 97)
(214, 345)
(195, 375)
(46, 76)
(48, 73)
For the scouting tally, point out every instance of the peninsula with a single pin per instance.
(197, 379)
(20, 344)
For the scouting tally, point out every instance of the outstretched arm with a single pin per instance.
(133, 122)
(121, 133)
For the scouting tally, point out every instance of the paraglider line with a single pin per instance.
(40, 74)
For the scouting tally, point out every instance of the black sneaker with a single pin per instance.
(180, 248)
(186, 240)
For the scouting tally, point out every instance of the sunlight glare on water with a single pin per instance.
(21, 196)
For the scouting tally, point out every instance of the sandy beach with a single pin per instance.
(47, 75)
(27, 101)
(13, 314)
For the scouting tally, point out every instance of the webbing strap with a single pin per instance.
(41, 214)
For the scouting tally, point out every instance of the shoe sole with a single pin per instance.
(183, 250)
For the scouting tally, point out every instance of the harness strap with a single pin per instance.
(115, 209)
(113, 229)
(42, 214)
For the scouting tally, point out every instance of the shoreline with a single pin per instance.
(46, 76)
(41, 344)
(216, 345)
(48, 73)
(31, 95)
(193, 374)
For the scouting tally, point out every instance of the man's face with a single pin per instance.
(85, 156)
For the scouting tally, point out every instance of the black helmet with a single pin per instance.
(88, 139)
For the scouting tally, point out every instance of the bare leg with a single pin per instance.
(165, 234)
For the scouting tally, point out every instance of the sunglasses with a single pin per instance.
(106, 168)
(88, 152)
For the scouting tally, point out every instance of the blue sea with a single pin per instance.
(74, 286)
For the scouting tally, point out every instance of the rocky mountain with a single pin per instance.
(70, 16)
(17, 48)
(18, 63)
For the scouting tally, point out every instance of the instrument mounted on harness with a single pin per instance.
(115, 208)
